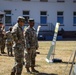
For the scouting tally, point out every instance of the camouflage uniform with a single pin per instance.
(2, 38)
(32, 43)
(9, 41)
(17, 33)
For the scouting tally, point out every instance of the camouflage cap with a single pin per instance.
(20, 18)
(30, 19)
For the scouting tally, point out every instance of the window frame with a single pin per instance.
(8, 15)
(26, 0)
(43, 0)
(60, 0)
(43, 16)
(60, 17)
(26, 15)
(74, 16)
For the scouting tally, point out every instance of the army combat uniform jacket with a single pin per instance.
(31, 38)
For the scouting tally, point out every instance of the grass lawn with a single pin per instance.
(63, 50)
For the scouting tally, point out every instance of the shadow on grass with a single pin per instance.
(37, 65)
(6, 55)
(64, 62)
(45, 74)
(68, 63)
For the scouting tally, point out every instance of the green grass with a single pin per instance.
(63, 50)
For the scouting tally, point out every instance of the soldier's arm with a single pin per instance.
(14, 34)
(36, 41)
(37, 45)
(6, 35)
(27, 40)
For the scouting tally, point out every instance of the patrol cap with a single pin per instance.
(20, 18)
(30, 20)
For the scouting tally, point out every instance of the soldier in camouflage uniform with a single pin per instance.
(9, 41)
(31, 46)
(18, 37)
(2, 38)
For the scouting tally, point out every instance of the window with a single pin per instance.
(7, 17)
(2, 17)
(26, 16)
(74, 1)
(43, 17)
(43, 0)
(60, 1)
(60, 17)
(74, 18)
(25, 0)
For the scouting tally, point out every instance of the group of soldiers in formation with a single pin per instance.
(24, 44)
(6, 39)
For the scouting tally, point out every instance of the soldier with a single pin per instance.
(2, 37)
(31, 46)
(18, 37)
(9, 41)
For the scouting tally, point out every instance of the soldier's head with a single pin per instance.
(21, 20)
(31, 22)
(10, 28)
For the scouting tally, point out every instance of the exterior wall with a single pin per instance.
(35, 6)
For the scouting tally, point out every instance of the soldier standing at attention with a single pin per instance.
(31, 46)
(2, 37)
(9, 41)
(18, 37)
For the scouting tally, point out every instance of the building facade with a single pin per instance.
(45, 12)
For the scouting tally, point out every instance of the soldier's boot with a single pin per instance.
(28, 70)
(3, 52)
(33, 70)
(8, 52)
(12, 73)
(11, 53)
(18, 73)
(2, 49)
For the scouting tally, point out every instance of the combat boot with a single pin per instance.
(28, 71)
(12, 73)
(33, 70)
(11, 52)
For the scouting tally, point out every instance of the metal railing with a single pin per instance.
(45, 27)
